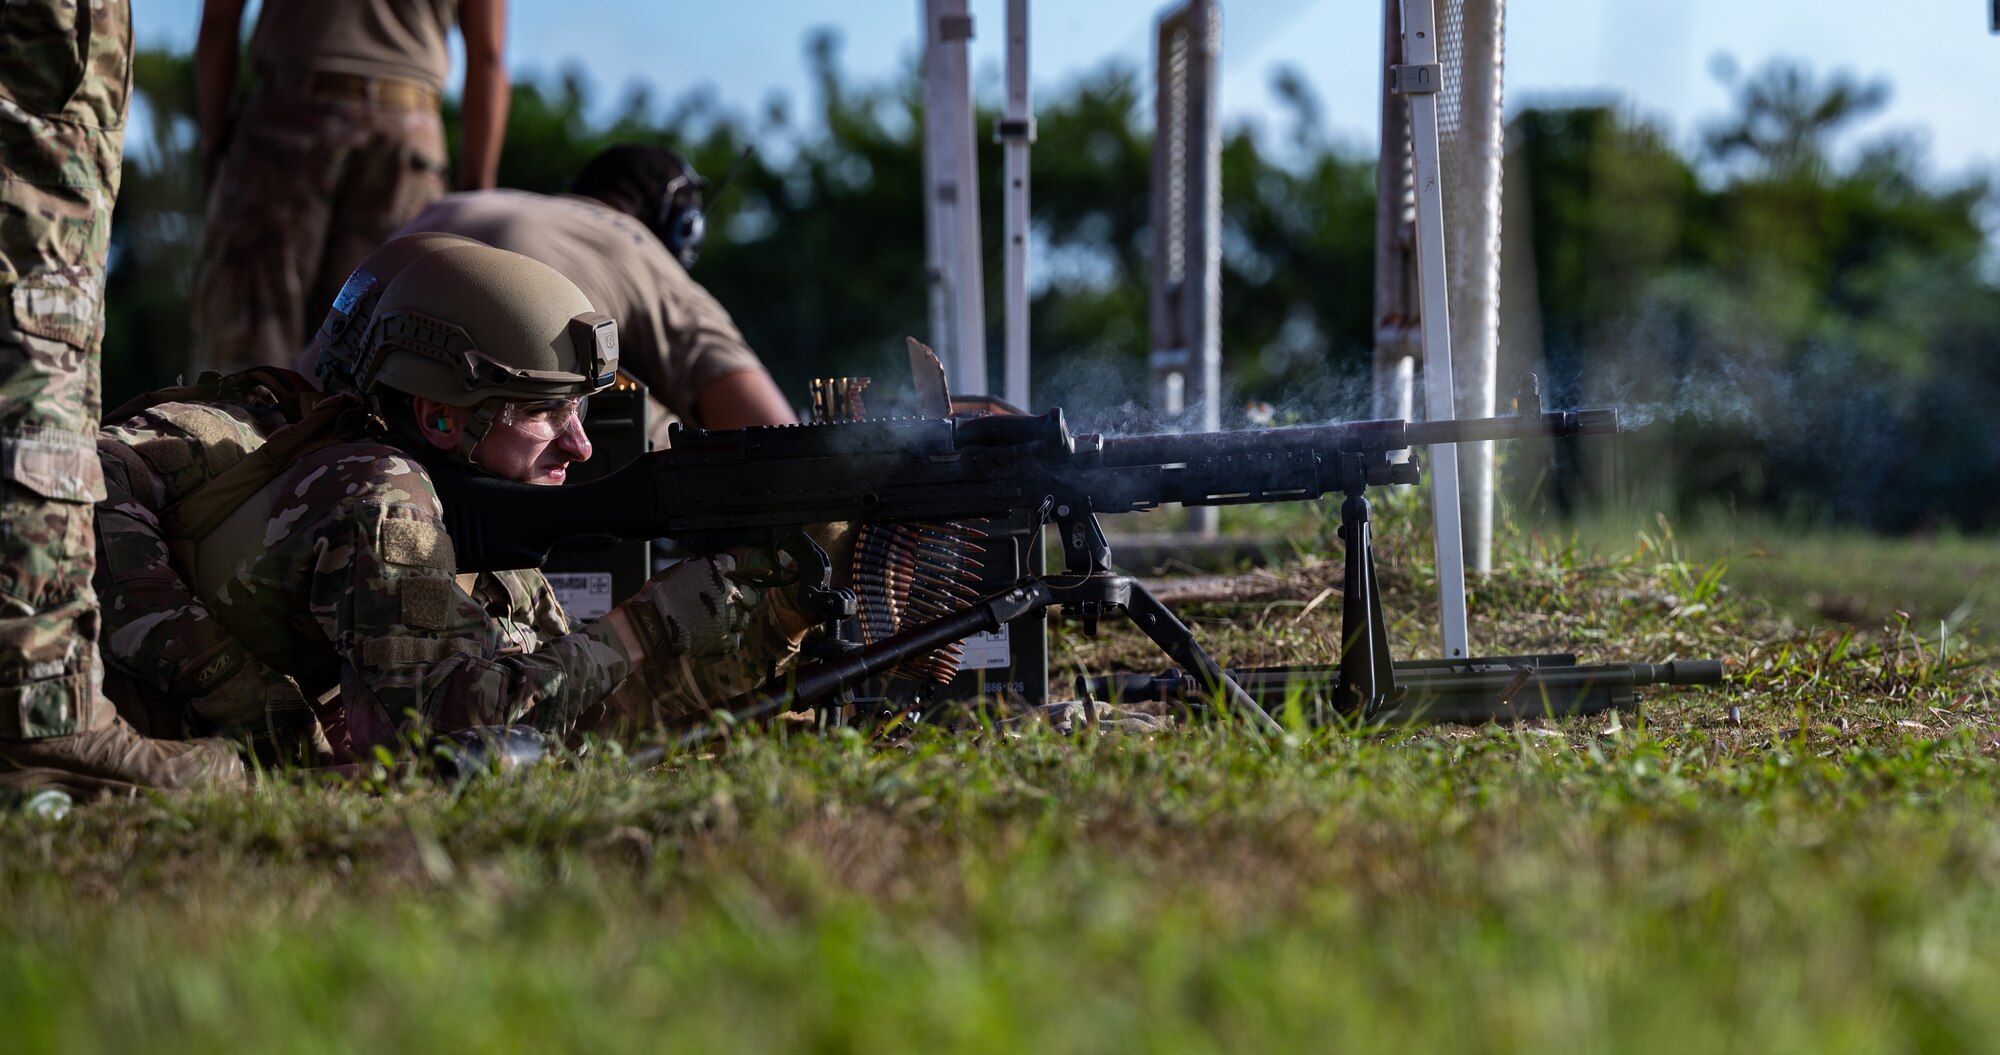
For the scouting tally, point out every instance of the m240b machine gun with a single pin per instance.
(714, 490)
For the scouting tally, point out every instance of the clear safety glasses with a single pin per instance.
(543, 418)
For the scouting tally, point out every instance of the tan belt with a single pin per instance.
(386, 93)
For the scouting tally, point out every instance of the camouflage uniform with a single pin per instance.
(325, 555)
(339, 575)
(171, 669)
(64, 77)
(311, 179)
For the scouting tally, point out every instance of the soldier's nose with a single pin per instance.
(575, 442)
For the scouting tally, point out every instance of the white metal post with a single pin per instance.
(1420, 78)
(1471, 147)
(1016, 133)
(1396, 336)
(951, 198)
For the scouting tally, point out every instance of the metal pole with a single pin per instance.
(1472, 154)
(1016, 132)
(1205, 187)
(937, 287)
(1186, 361)
(1396, 335)
(1420, 78)
(951, 214)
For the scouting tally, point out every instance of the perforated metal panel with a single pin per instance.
(1186, 361)
(1471, 143)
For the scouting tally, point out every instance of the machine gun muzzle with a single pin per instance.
(1592, 422)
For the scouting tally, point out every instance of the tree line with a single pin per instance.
(1810, 323)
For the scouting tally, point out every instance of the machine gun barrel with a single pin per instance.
(1350, 437)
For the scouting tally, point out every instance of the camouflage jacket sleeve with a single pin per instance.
(155, 628)
(381, 585)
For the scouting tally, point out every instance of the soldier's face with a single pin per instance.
(536, 447)
(534, 444)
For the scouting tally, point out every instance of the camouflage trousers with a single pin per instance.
(65, 74)
(305, 190)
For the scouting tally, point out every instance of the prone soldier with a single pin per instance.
(337, 572)
(170, 667)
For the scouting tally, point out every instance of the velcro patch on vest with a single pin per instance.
(402, 651)
(415, 544)
(427, 603)
(166, 454)
(222, 443)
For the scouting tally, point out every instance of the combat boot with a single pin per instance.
(115, 760)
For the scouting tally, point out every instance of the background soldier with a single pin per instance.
(337, 145)
(626, 236)
(64, 78)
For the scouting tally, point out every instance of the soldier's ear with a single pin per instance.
(437, 423)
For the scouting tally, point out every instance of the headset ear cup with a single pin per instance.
(690, 227)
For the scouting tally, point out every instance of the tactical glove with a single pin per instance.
(264, 709)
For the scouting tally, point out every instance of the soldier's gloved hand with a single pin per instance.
(266, 710)
(708, 629)
(695, 609)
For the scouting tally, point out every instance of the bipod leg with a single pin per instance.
(1367, 671)
(1177, 641)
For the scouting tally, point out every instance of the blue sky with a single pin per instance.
(1655, 55)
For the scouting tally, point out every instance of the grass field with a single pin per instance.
(1822, 876)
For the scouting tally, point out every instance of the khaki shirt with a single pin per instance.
(672, 334)
(370, 38)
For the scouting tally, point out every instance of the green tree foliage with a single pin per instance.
(155, 233)
(1810, 318)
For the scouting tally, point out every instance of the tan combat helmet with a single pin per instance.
(338, 344)
(474, 326)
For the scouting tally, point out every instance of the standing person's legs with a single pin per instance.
(266, 232)
(396, 167)
(64, 79)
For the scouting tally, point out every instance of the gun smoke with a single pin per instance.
(1821, 433)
